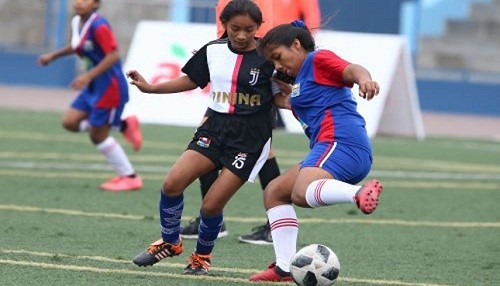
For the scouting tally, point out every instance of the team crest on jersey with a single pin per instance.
(239, 160)
(204, 142)
(254, 72)
(88, 46)
(295, 90)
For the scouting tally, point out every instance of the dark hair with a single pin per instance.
(285, 34)
(241, 7)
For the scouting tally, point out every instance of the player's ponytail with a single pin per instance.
(299, 24)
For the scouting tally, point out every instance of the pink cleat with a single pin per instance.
(133, 133)
(272, 274)
(119, 184)
(367, 197)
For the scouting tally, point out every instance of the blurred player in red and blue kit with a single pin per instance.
(99, 106)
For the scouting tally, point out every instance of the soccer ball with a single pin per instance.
(315, 264)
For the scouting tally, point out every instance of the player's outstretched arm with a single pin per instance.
(180, 84)
(357, 74)
(47, 58)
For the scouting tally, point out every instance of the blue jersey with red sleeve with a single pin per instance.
(93, 41)
(324, 104)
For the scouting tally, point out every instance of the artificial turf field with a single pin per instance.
(438, 221)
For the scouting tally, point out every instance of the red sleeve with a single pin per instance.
(105, 39)
(329, 68)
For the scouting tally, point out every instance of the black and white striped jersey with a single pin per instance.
(239, 81)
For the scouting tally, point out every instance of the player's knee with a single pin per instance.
(169, 188)
(70, 126)
(211, 209)
(298, 198)
(275, 194)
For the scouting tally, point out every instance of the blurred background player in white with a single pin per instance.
(340, 153)
(98, 108)
(274, 12)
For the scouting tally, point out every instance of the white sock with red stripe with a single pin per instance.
(329, 192)
(284, 229)
(116, 156)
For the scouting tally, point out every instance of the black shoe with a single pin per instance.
(261, 235)
(198, 264)
(190, 231)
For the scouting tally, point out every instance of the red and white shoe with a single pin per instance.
(119, 184)
(272, 274)
(133, 133)
(367, 197)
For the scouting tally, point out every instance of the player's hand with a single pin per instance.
(45, 59)
(285, 88)
(81, 81)
(368, 89)
(139, 81)
(282, 100)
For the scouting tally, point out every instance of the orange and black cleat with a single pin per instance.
(157, 251)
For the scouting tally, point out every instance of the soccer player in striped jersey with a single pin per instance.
(98, 108)
(340, 153)
(235, 137)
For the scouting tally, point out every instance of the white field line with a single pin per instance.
(434, 175)
(46, 166)
(102, 270)
(460, 144)
(294, 156)
(432, 164)
(165, 264)
(437, 185)
(285, 159)
(259, 220)
(169, 265)
(72, 138)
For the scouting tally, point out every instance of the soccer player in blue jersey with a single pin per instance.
(340, 153)
(235, 137)
(98, 108)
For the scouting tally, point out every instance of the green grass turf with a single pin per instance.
(438, 221)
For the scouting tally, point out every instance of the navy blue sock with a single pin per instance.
(207, 233)
(170, 217)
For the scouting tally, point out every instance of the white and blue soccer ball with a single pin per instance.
(315, 264)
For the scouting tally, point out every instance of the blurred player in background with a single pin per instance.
(98, 108)
(274, 12)
(340, 153)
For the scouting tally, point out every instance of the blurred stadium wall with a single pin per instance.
(454, 42)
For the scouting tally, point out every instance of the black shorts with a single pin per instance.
(240, 143)
(273, 112)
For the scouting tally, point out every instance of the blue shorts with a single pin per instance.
(346, 163)
(98, 116)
